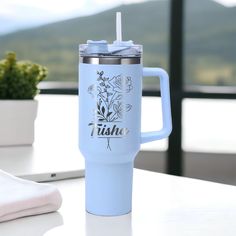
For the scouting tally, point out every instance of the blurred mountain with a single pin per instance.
(210, 36)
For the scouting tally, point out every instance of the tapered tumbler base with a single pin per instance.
(108, 188)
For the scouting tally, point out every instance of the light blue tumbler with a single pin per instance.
(110, 92)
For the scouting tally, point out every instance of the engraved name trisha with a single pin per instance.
(107, 132)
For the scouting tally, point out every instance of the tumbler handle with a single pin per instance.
(165, 101)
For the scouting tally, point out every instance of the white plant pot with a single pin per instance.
(17, 122)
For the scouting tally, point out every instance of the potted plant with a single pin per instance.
(18, 108)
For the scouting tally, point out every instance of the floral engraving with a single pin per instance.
(109, 93)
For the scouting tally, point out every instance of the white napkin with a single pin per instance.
(19, 197)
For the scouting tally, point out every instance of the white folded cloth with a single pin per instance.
(19, 197)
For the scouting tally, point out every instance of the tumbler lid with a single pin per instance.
(118, 48)
(103, 49)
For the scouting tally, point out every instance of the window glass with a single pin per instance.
(210, 48)
(152, 121)
(209, 125)
(55, 45)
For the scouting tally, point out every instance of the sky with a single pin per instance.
(20, 14)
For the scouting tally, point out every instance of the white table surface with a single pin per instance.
(162, 205)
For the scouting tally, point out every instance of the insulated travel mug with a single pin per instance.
(110, 92)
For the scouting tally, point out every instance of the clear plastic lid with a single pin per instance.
(117, 48)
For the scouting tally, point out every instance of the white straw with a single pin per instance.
(118, 27)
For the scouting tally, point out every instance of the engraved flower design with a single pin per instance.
(128, 84)
(120, 84)
(110, 92)
(91, 90)
(118, 109)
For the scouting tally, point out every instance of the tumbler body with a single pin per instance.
(110, 90)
